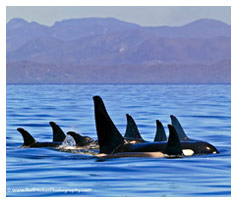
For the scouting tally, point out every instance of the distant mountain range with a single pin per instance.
(107, 50)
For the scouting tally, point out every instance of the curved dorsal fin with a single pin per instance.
(80, 140)
(58, 134)
(28, 139)
(160, 132)
(109, 138)
(173, 146)
(178, 128)
(132, 130)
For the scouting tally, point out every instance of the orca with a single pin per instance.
(203, 146)
(30, 142)
(111, 141)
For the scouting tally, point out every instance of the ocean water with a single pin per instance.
(203, 110)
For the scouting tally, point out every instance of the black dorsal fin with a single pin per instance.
(80, 140)
(58, 134)
(178, 128)
(132, 130)
(160, 132)
(28, 139)
(173, 145)
(110, 139)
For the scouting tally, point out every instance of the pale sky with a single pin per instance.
(146, 16)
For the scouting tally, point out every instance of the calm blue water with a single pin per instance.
(203, 110)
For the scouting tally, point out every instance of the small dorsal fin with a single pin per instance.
(80, 140)
(110, 139)
(132, 130)
(160, 132)
(173, 145)
(58, 134)
(28, 139)
(178, 128)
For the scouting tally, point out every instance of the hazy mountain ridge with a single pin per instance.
(107, 50)
(64, 30)
(20, 31)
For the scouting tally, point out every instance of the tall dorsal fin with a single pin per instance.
(28, 139)
(132, 130)
(110, 139)
(160, 132)
(173, 145)
(178, 128)
(80, 140)
(58, 134)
